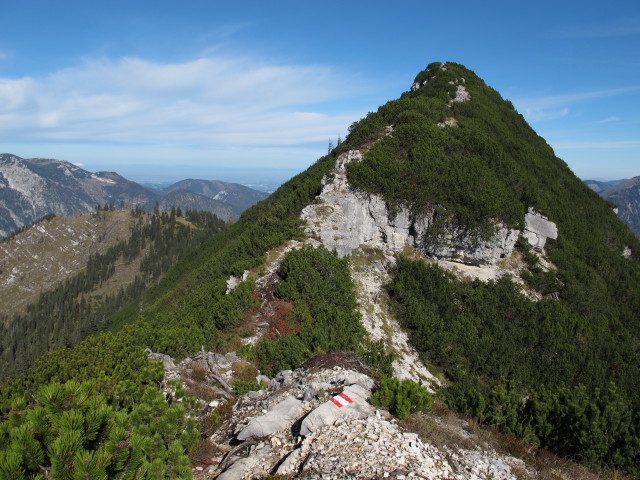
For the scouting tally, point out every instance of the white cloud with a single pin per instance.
(15, 94)
(551, 107)
(610, 119)
(590, 145)
(540, 115)
(205, 103)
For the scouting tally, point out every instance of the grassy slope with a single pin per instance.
(51, 251)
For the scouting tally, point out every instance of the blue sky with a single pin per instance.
(201, 88)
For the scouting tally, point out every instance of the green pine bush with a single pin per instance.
(402, 397)
(72, 433)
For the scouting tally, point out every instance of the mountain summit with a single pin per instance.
(234, 196)
(446, 247)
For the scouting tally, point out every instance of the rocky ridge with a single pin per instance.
(362, 226)
(295, 425)
(316, 422)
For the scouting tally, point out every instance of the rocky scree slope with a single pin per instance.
(316, 422)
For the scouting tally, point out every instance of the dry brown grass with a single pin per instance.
(50, 252)
(244, 371)
(203, 453)
(200, 390)
(210, 424)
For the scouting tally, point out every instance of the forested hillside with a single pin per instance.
(86, 302)
(40, 256)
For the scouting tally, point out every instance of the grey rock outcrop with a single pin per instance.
(362, 445)
(167, 361)
(233, 282)
(241, 465)
(351, 403)
(538, 229)
(460, 246)
(462, 95)
(343, 219)
(278, 418)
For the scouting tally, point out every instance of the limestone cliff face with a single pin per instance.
(343, 220)
(459, 246)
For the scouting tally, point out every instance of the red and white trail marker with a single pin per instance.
(341, 400)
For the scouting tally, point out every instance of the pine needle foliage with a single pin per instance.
(72, 433)
(319, 285)
(402, 397)
(537, 370)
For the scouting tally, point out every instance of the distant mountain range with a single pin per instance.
(33, 188)
(625, 194)
(215, 193)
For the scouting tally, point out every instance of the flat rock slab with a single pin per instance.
(540, 225)
(281, 416)
(351, 403)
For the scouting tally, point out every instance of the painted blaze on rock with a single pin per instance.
(351, 403)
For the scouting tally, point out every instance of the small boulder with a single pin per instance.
(309, 394)
(351, 403)
(167, 362)
(281, 416)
